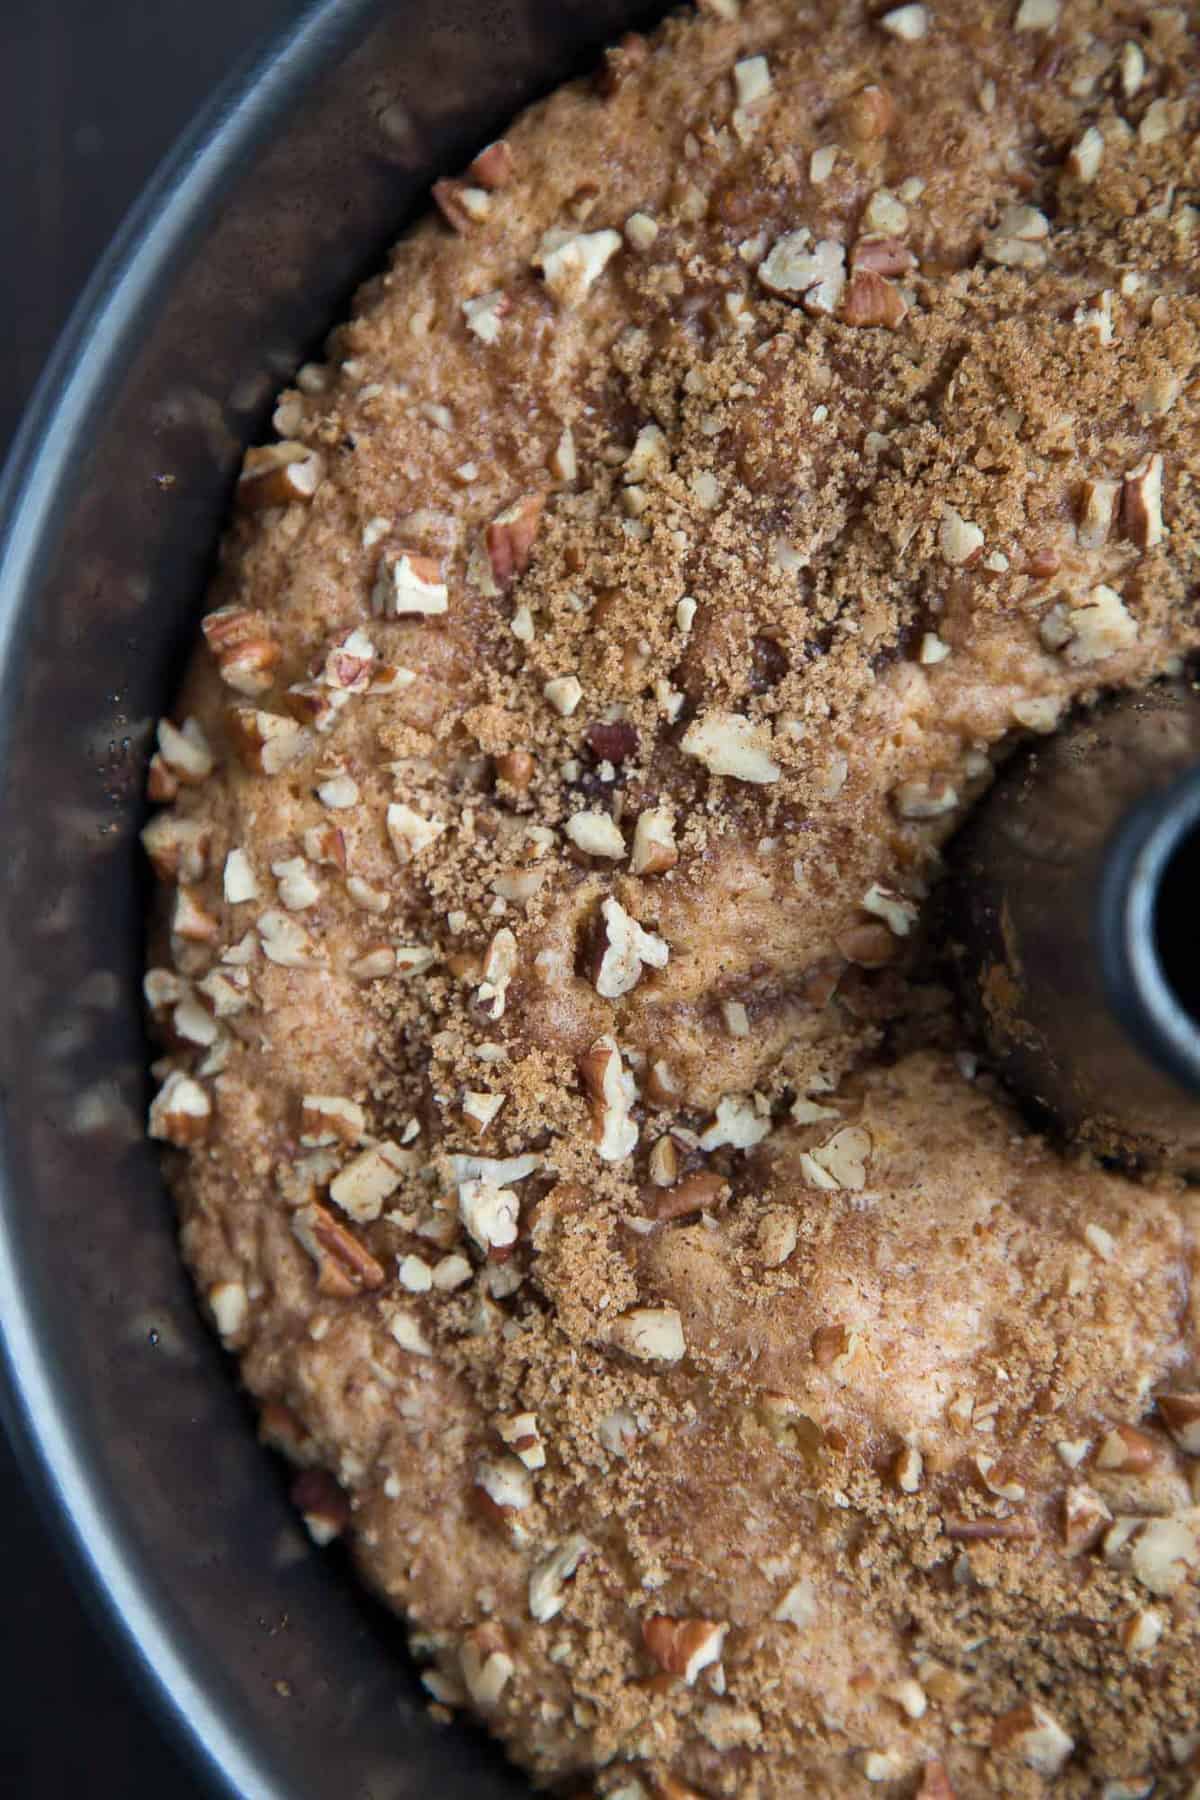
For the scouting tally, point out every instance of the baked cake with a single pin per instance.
(574, 1135)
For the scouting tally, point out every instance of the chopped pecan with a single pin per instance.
(245, 649)
(654, 849)
(161, 785)
(486, 1666)
(909, 23)
(326, 844)
(181, 1111)
(1085, 1517)
(683, 1646)
(461, 204)
(881, 255)
(868, 115)
(663, 1164)
(409, 584)
(185, 751)
(1181, 1416)
(695, 1193)
(612, 1094)
(870, 300)
(190, 920)
(1141, 503)
(493, 167)
(612, 741)
(312, 703)
(330, 1119)
(177, 848)
(620, 61)
(1035, 1736)
(516, 768)
(279, 1429)
(321, 1504)
(344, 1266)
(797, 269)
(350, 663)
(520, 1432)
(1014, 1526)
(1042, 563)
(1127, 1451)
(266, 742)
(278, 475)
(650, 1333)
(618, 950)
(509, 539)
(1097, 510)
(410, 832)
(572, 262)
(547, 1582)
(727, 743)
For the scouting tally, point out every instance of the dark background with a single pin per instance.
(92, 93)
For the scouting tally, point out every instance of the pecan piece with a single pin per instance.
(185, 752)
(266, 742)
(278, 475)
(1181, 1416)
(880, 255)
(246, 652)
(344, 1266)
(612, 741)
(190, 920)
(1127, 1451)
(1035, 1736)
(618, 950)
(1141, 503)
(181, 1112)
(1085, 1518)
(516, 768)
(683, 1646)
(620, 61)
(493, 167)
(486, 1666)
(279, 1429)
(161, 785)
(1014, 1527)
(873, 301)
(461, 204)
(321, 1504)
(695, 1193)
(177, 848)
(654, 848)
(868, 115)
(667, 1786)
(409, 584)
(612, 1094)
(509, 539)
(1097, 510)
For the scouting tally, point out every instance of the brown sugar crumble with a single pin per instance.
(733, 1393)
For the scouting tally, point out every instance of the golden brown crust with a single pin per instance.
(742, 460)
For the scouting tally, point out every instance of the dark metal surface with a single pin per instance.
(1056, 879)
(76, 153)
(287, 1681)
(1146, 929)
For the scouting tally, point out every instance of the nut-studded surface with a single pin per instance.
(735, 1395)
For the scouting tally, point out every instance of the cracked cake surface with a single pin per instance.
(573, 1134)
